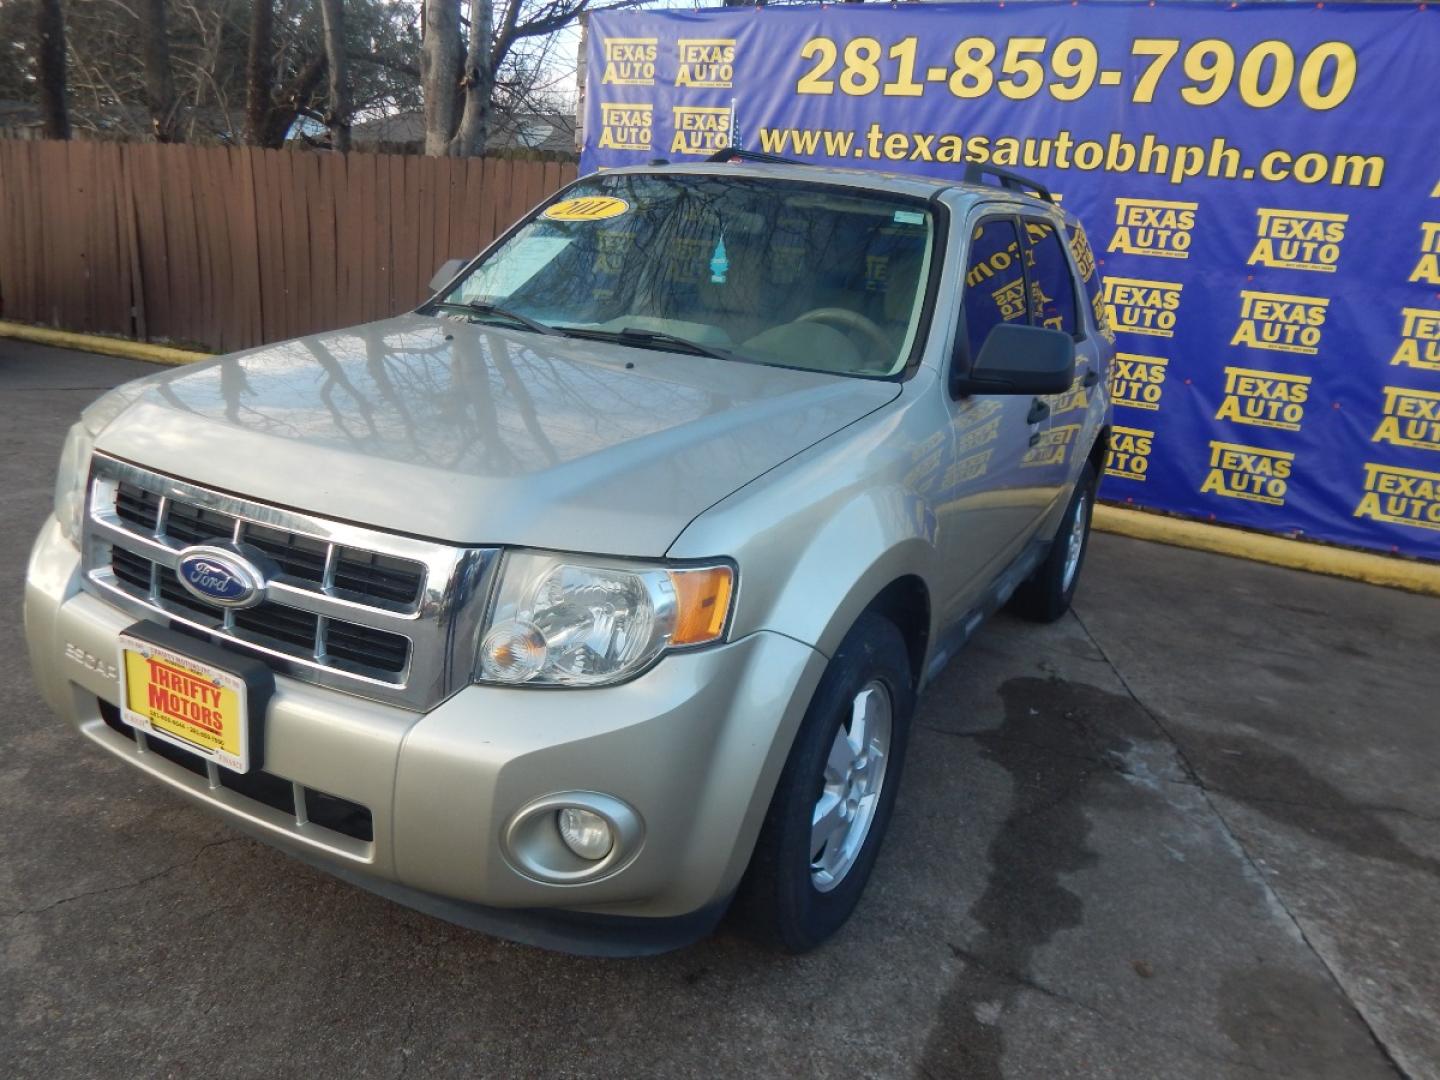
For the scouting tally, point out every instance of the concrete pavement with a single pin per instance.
(1191, 830)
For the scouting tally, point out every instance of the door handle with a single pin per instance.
(1038, 411)
(1091, 378)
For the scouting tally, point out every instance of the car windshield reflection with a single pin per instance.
(795, 274)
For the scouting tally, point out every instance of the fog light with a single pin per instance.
(585, 833)
(570, 837)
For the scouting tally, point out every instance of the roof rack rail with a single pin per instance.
(736, 153)
(975, 174)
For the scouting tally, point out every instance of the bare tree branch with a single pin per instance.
(440, 73)
(50, 65)
(399, 67)
(337, 116)
(159, 79)
(259, 71)
(477, 81)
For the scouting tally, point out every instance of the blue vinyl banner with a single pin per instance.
(1261, 186)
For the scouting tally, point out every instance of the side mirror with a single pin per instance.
(448, 269)
(1021, 359)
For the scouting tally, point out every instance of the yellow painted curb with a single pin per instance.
(130, 350)
(1276, 550)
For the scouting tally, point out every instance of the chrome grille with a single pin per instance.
(385, 616)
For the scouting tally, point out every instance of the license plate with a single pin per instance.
(193, 704)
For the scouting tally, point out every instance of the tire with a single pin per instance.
(1046, 594)
(785, 899)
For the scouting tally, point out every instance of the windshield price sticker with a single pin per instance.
(587, 208)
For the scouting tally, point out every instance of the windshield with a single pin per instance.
(796, 274)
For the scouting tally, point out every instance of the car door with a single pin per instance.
(990, 504)
(1055, 303)
(1095, 345)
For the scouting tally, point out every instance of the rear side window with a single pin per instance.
(1052, 288)
(1090, 279)
(994, 281)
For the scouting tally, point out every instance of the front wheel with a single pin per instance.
(833, 802)
(1046, 594)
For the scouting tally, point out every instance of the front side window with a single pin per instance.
(796, 274)
(994, 281)
(1052, 289)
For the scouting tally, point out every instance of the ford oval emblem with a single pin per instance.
(221, 577)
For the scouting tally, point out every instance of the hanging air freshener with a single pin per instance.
(719, 263)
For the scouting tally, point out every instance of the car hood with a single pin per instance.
(474, 434)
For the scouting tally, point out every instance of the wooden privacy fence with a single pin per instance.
(228, 247)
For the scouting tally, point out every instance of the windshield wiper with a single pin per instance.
(482, 308)
(650, 339)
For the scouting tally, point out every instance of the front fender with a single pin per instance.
(871, 543)
(818, 538)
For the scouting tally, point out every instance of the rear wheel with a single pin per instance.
(1046, 594)
(833, 802)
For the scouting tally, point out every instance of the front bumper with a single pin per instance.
(694, 746)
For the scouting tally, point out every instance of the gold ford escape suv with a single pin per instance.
(597, 592)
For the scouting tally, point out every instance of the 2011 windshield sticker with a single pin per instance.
(586, 208)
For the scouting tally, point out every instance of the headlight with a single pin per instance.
(71, 481)
(558, 621)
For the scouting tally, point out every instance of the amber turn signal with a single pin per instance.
(702, 598)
